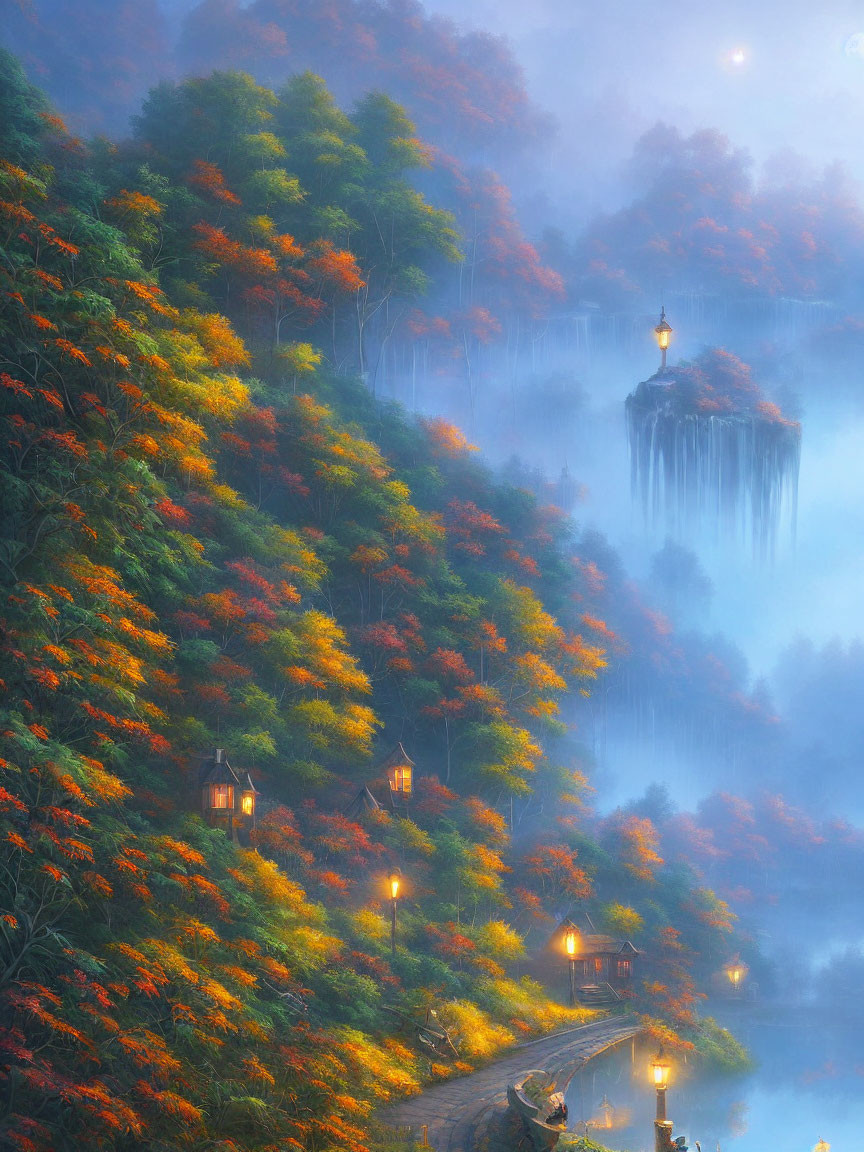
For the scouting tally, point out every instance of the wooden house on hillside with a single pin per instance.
(396, 775)
(228, 797)
(605, 966)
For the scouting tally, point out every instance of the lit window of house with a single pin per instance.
(221, 796)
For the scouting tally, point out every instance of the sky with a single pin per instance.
(608, 71)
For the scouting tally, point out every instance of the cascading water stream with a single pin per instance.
(700, 458)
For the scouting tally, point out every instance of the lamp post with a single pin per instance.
(663, 331)
(393, 881)
(660, 1080)
(571, 943)
(736, 971)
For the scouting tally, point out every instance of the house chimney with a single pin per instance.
(218, 755)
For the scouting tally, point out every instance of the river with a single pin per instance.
(808, 1085)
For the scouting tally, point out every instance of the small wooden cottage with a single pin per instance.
(604, 966)
(228, 797)
(607, 960)
(399, 769)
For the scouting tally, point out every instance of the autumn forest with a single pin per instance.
(215, 536)
(325, 704)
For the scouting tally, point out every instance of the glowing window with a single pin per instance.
(400, 779)
(221, 796)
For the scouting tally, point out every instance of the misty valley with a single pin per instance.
(431, 636)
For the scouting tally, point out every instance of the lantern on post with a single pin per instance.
(736, 972)
(663, 331)
(571, 947)
(249, 801)
(399, 768)
(394, 881)
(660, 1080)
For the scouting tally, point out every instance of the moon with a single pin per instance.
(854, 45)
(739, 56)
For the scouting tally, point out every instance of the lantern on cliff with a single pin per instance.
(663, 331)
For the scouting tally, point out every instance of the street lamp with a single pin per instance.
(393, 881)
(660, 1080)
(736, 971)
(571, 944)
(663, 331)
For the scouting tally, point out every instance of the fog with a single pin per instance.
(738, 682)
(609, 72)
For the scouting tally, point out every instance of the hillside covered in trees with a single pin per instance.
(213, 535)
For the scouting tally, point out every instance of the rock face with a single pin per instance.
(701, 459)
(543, 1136)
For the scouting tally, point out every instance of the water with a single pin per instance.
(807, 1087)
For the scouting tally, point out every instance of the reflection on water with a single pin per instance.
(808, 1087)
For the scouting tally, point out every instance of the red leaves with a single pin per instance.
(383, 637)
(449, 941)
(172, 513)
(336, 269)
(251, 263)
(556, 867)
(18, 387)
(73, 352)
(66, 441)
(470, 527)
(8, 800)
(450, 666)
(208, 179)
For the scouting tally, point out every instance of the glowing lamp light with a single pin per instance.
(663, 331)
(736, 972)
(394, 885)
(660, 1072)
(247, 803)
(571, 942)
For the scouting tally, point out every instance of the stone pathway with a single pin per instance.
(455, 1110)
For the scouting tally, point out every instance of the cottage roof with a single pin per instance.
(364, 801)
(591, 944)
(217, 770)
(396, 757)
(599, 945)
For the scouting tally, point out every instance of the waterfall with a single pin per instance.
(733, 471)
